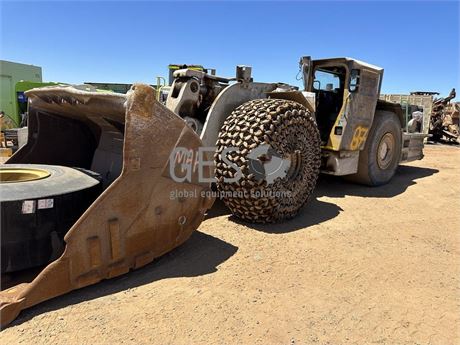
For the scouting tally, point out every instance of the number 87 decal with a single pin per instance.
(359, 136)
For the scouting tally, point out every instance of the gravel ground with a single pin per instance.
(358, 266)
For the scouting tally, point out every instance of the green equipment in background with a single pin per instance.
(21, 99)
(15, 78)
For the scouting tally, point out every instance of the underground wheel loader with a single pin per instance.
(108, 182)
(272, 139)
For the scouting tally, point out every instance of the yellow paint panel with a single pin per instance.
(359, 137)
(335, 140)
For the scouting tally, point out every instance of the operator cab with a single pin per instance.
(346, 92)
(328, 86)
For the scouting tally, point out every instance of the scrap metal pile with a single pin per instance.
(444, 120)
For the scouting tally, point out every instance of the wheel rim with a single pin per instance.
(385, 151)
(12, 175)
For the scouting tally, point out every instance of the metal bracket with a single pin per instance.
(243, 74)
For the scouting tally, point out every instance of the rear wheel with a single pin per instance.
(277, 154)
(379, 159)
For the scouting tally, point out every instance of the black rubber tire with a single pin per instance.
(61, 180)
(36, 237)
(369, 172)
(290, 130)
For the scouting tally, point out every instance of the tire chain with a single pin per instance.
(287, 127)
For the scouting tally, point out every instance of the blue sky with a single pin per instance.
(135, 41)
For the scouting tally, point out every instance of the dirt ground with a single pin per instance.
(358, 266)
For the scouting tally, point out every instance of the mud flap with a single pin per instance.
(135, 219)
(412, 146)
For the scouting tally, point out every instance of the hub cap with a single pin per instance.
(385, 151)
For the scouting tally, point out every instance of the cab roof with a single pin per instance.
(348, 60)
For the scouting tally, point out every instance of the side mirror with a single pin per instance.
(318, 83)
(354, 80)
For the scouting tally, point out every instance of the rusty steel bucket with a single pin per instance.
(128, 140)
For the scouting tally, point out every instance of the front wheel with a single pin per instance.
(274, 160)
(379, 159)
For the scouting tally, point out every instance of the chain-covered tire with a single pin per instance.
(267, 133)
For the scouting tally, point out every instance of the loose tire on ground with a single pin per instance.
(39, 204)
(290, 130)
(379, 159)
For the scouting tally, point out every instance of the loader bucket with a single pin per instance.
(127, 140)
